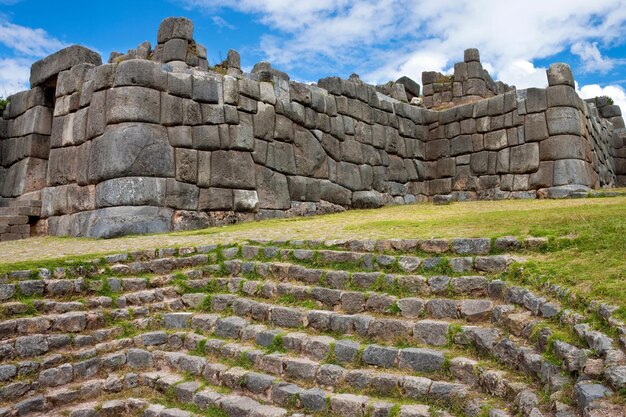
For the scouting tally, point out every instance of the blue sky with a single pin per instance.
(310, 39)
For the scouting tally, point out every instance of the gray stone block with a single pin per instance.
(175, 28)
(420, 360)
(471, 55)
(367, 199)
(205, 90)
(131, 149)
(524, 158)
(560, 74)
(586, 393)
(215, 199)
(565, 147)
(431, 332)
(181, 195)
(233, 169)
(43, 70)
(141, 73)
(535, 128)
(119, 221)
(571, 171)
(230, 327)
(564, 120)
(536, 100)
(130, 191)
(174, 50)
(562, 95)
(133, 104)
(382, 356)
(272, 189)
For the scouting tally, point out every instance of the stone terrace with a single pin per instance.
(305, 328)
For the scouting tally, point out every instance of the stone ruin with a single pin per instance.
(157, 140)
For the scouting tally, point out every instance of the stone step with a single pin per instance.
(13, 219)
(20, 211)
(464, 246)
(370, 262)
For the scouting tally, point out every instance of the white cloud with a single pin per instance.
(221, 23)
(26, 46)
(591, 57)
(616, 92)
(28, 41)
(14, 75)
(359, 34)
(523, 74)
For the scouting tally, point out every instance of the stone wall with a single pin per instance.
(161, 143)
(469, 83)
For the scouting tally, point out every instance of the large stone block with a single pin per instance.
(232, 169)
(206, 138)
(119, 221)
(437, 149)
(281, 157)
(562, 95)
(133, 104)
(205, 90)
(535, 128)
(174, 50)
(496, 140)
(564, 120)
(264, 121)
(131, 191)
(180, 195)
(131, 149)
(175, 28)
(96, 115)
(24, 100)
(25, 176)
(524, 158)
(309, 154)
(560, 74)
(571, 171)
(141, 73)
(36, 120)
(41, 71)
(349, 175)
(241, 136)
(272, 189)
(536, 100)
(215, 199)
(60, 170)
(187, 165)
(171, 110)
(544, 177)
(565, 147)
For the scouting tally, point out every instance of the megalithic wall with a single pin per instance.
(163, 143)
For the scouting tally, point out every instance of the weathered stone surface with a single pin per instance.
(133, 104)
(131, 149)
(380, 356)
(421, 360)
(130, 191)
(560, 74)
(43, 70)
(431, 332)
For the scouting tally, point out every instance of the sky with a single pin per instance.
(380, 40)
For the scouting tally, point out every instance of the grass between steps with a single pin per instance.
(592, 264)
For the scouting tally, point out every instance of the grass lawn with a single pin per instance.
(593, 263)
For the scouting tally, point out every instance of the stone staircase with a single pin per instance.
(409, 328)
(17, 218)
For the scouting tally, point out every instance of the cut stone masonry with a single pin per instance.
(156, 140)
